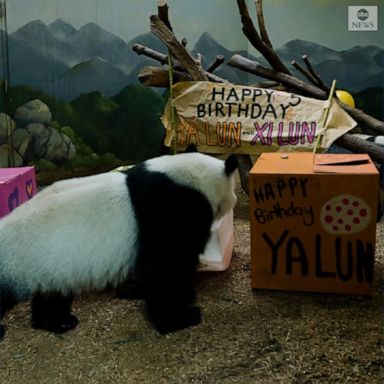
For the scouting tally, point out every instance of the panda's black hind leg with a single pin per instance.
(52, 312)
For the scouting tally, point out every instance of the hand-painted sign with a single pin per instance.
(312, 230)
(242, 119)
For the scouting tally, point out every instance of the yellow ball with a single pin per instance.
(345, 97)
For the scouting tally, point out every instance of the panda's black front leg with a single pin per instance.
(171, 319)
(52, 312)
(170, 300)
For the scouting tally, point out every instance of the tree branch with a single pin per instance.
(254, 38)
(151, 53)
(357, 145)
(363, 119)
(159, 29)
(303, 88)
(162, 11)
(159, 77)
(238, 61)
(315, 75)
(217, 62)
(261, 22)
(304, 72)
(163, 59)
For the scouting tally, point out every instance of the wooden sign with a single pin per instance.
(313, 222)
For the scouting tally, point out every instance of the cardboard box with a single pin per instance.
(313, 222)
(17, 185)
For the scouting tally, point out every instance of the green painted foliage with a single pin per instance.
(126, 126)
(135, 128)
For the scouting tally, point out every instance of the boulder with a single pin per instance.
(5, 156)
(35, 111)
(51, 145)
(7, 125)
(35, 128)
(20, 140)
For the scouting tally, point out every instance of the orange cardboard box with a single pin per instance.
(313, 222)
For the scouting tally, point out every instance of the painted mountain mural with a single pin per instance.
(87, 77)
(66, 62)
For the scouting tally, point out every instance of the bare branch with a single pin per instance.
(254, 38)
(304, 72)
(305, 89)
(163, 59)
(261, 22)
(184, 42)
(293, 83)
(159, 29)
(215, 79)
(217, 62)
(318, 79)
(156, 55)
(151, 53)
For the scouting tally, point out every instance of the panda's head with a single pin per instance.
(213, 177)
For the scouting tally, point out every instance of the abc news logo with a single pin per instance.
(362, 18)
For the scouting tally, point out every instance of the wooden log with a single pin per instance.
(159, 29)
(216, 63)
(364, 119)
(159, 77)
(305, 89)
(149, 52)
(156, 55)
(163, 59)
(357, 145)
(250, 66)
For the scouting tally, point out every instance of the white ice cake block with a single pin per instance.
(218, 253)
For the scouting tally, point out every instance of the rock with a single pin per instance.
(7, 125)
(51, 145)
(5, 154)
(35, 128)
(35, 111)
(20, 141)
(71, 149)
(55, 148)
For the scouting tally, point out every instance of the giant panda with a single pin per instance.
(149, 223)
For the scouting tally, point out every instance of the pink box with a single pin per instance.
(17, 185)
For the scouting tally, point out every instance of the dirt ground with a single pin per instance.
(246, 336)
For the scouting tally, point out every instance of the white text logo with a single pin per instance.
(362, 18)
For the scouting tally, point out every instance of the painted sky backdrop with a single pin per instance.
(320, 21)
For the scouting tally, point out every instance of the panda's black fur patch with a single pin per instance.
(174, 225)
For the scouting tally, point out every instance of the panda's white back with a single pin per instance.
(83, 237)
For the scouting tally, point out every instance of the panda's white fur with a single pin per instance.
(49, 242)
(81, 234)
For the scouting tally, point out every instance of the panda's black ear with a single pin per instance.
(230, 164)
(191, 148)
